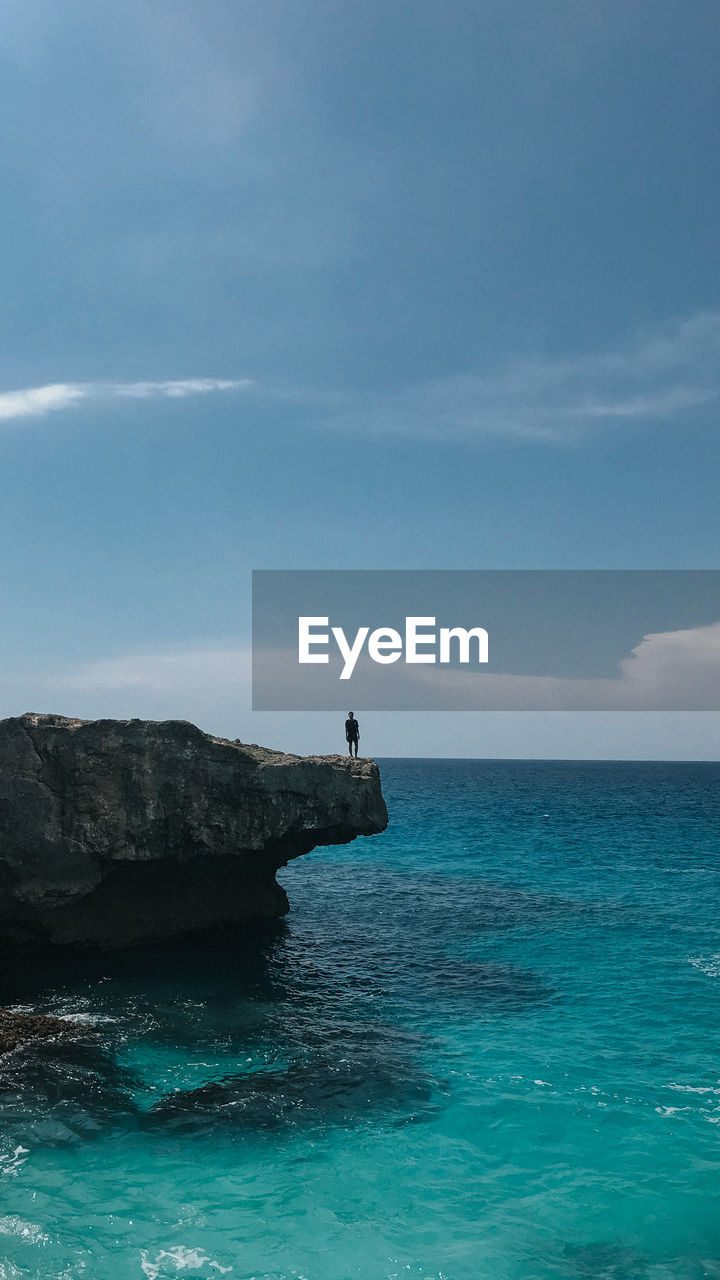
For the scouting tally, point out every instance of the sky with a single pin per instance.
(425, 286)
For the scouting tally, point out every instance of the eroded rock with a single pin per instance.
(17, 1029)
(119, 831)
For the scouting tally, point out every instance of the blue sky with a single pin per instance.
(459, 265)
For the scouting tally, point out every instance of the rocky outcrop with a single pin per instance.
(119, 831)
(17, 1029)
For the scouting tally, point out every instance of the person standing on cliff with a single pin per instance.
(352, 732)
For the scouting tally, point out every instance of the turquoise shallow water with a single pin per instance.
(484, 1044)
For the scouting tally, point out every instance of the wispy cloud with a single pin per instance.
(209, 686)
(669, 670)
(36, 402)
(166, 671)
(658, 377)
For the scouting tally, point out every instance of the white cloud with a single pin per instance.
(36, 402)
(211, 687)
(173, 390)
(671, 670)
(659, 376)
(171, 671)
(668, 670)
(662, 376)
(678, 665)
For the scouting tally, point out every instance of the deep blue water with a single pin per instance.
(484, 1044)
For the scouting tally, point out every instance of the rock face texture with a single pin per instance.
(17, 1029)
(119, 831)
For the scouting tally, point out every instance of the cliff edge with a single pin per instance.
(114, 832)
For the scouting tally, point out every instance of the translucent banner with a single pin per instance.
(492, 640)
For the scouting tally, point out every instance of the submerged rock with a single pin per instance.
(118, 831)
(320, 1092)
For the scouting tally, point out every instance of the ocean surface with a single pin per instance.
(485, 1044)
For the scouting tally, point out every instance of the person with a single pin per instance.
(352, 732)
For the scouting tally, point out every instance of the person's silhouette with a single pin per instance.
(352, 732)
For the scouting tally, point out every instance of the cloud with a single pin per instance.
(170, 671)
(669, 670)
(680, 665)
(658, 377)
(210, 686)
(36, 402)
(173, 390)
(666, 671)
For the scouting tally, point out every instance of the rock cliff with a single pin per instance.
(119, 831)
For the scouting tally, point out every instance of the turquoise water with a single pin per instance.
(484, 1044)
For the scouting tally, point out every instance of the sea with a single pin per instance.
(484, 1045)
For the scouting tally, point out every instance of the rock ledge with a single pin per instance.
(119, 831)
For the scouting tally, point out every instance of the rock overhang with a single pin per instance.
(119, 831)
